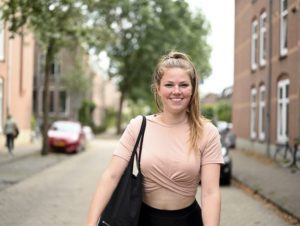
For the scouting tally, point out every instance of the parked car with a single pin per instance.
(226, 168)
(88, 132)
(227, 135)
(67, 136)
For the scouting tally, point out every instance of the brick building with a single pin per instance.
(16, 74)
(266, 73)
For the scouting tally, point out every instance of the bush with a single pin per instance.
(85, 113)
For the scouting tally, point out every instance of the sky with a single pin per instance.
(220, 14)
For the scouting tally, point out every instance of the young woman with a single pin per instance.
(180, 149)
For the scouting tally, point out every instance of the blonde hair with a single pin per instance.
(181, 60)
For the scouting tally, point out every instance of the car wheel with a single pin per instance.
(226, 180)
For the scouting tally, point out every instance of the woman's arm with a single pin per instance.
(210, 194)
(105, 188)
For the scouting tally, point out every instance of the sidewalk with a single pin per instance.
(281, 186)
(20, 151)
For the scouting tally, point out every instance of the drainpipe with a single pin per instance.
(268, 121)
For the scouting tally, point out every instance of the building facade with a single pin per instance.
(63, 101)
(266, 96)
(16, 76)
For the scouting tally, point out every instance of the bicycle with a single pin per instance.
(287, 156)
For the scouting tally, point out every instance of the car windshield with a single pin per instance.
(65, 127)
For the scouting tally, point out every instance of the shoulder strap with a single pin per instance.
(139, 143)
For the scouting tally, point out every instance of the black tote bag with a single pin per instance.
(123, 209)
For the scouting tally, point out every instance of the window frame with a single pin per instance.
(41, 101)
(283, 28)
(253, 96)
(262, 113)
(263, 38)
(67, 102)
(282, 110)
(254, 43)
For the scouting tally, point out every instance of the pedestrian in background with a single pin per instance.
(180, 149)
(11, 131)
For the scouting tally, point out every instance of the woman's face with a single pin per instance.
(175, 90)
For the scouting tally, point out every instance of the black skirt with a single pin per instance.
(189, 216)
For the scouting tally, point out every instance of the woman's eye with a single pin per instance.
(168, 85)
(184, 85)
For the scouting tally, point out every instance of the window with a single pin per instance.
(1, 37)
(282, 110)
(263, 39)
(34, 102)
(254, 45)
(55, 70)
(51, 102)
(40, 64)
(62, 101)
(262, 113)
(283, 27)
(1, 104)
(253, 114)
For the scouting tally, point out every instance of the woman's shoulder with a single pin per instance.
(209, 127)
(136, 122)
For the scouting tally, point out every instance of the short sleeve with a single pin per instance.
(127, 141)
(211, 152)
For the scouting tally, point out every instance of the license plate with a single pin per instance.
(59, 144)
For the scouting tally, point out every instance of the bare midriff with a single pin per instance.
(167, 200)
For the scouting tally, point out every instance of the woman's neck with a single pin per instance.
(172, 119)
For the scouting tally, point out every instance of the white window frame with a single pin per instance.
(2, 38)
(253, 113)
(283, 28)
(263, 39)
(254, 40)
(261, 113)
(282, 111)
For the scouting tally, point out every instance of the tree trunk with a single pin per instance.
(49, 60)
(119, 115)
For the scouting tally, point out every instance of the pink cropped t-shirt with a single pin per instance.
(166, 160)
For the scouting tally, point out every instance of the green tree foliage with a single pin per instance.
(208, 112)
(224, 111)
(56, 25)
(143, 31)
(85, 113)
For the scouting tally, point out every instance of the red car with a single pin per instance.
(67, 136)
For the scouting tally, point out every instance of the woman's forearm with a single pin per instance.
(105, 188)
(211, 208)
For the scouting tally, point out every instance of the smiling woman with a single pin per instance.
(180, 149)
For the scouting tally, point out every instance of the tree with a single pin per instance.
(56, 25)
(144, 30)
(77, 79)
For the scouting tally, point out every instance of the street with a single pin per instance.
(60, 195)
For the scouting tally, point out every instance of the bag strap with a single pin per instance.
(139, 143)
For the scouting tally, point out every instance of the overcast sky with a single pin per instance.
(220, 14)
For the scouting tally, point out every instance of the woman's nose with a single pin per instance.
(176, 89)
